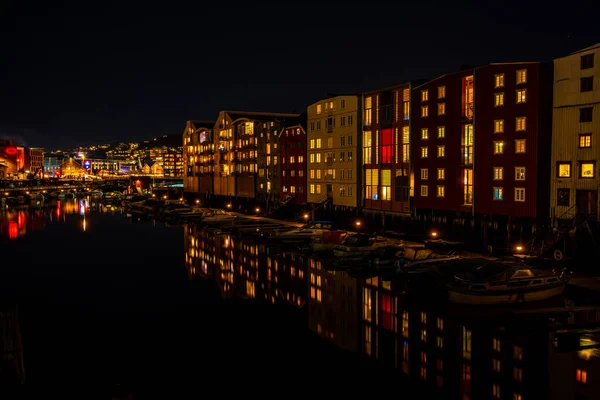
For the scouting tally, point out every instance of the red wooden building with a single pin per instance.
(482, 140)
(292, 150)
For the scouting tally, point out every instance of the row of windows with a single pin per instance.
(318, 143)
(345, 120)
(498, 173)
(587, 169)
(316, 188)
(330, 173)
(498, 148)
(498, 192)
(330, 106)
(293, 172)
(292, 159)
(330, 157)
(293, 189)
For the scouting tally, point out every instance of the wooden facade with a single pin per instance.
(386, 149)
(198, 157)
(575, 162)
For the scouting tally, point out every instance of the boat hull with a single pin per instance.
(504, 296)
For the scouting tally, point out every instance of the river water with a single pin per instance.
(90, 297)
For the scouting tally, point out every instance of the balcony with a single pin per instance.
(329, 128)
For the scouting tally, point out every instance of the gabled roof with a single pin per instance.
(202, 124)
(254, 115)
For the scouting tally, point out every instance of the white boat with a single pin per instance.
(359, 246)
(306, 233)
(507, 283)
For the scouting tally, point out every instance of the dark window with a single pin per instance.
(585, 114)
(586, 84)
(563, 197)
(587, 61)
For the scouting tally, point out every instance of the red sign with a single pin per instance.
(11, 151)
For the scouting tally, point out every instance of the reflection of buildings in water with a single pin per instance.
(245, 269)
(574, 358)
(333, 306)
(11, 368)
(14, 224)
(474, 357)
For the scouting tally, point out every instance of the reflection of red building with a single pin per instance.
(292, 149)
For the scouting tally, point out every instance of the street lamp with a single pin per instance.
(358, 224)
(306, 216)
(228, 205)
(257, 209)
(197, 201)
(434, 234)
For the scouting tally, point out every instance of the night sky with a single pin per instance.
(76, 75)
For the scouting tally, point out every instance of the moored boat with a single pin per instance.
(304, 234)
(358, 246)
(506, 283)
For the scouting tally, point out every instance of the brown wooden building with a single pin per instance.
(198, 157)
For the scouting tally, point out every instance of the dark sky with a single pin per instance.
(74, 74)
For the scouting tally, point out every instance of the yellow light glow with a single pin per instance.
(434, 234)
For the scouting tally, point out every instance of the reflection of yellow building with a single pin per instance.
(334, 135)
(333, 306)
(575, 178)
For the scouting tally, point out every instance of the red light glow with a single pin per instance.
(13, 230)
(11, 151)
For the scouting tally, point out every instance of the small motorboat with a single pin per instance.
(506, 283)
(359, 246)
(304, 234)
(419, 260)
(443, 245)
(327, 240)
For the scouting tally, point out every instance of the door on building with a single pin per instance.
(587, 202)
(329, 190)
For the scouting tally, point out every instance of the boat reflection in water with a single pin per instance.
(519, 354)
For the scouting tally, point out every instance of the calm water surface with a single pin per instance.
(89, 297)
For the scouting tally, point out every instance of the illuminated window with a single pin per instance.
(518, 374)
(424, 95)
(424, 133)
(498, 147)
(440, 323)
(441, 174)
(519, 173)
(520, 124)
(498, 173)
(521, 76)
(520, 146)
(441, 91)
(522, 96)
(439, 342)
(441, 108)
(386, 184)
(440, 191)
(585, 140)
(441, 132)
(441, 151)
(312, 188)
(496, 365)
(581, 375)
(499, 80)
(587, 169)
(424, 191)
(517, 396)
(498, 193)
(499, 126)
(424, 174)
(496, 345)
(318, 109)
(498, 99)
(466, 343)
(424, 111)
(424, 151)
(520, 197)
(564, 169)
(318, 143)
(496, 390)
